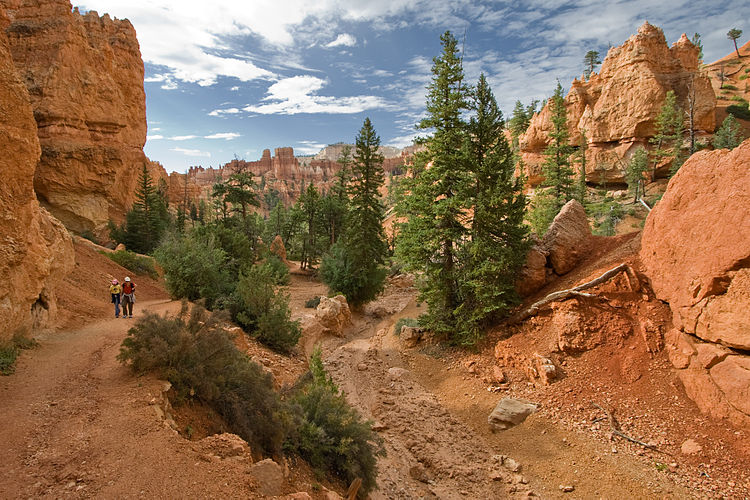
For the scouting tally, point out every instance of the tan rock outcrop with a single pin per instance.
(618, 107)
(568, 238)
(333, 314)
(695, 249)
(84, 75)
(35, 250)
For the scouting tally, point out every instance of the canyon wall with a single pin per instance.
(35, 249)
(84, 75)
(696, 252)
(617, 108)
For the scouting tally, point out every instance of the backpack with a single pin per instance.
(127, 288)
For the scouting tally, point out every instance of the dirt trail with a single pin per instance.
(433, 421)
(77, 423)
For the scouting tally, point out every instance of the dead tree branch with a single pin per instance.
(576, 291)
(617, 431)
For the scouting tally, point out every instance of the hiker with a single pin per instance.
(128, 298)
(115, 290)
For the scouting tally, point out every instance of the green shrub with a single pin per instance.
(358, 283)
(739, 110)
(743, 77)
(277, 269)
(194, 268)
(264, 312)
(133, 262)
(330, 434)
(729, 87)
(87, 234)
(9, 353)
(313, 302)
(739, 99)
(404, 322)
(200, 360)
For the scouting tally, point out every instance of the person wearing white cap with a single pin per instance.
(128, 298)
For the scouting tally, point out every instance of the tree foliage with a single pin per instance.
(590, 62)
(667, 141)
(729, 135)
(637, 166)
(734, 34)
(520, 120)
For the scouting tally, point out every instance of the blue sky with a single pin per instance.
(226, 78)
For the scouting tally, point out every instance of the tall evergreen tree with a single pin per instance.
(355, 266)
(734, 34)
(637, 166)
(580, 190)
(309, 203)
(520, 120)
(558, 186)
(498, 240)
(667, 141)
(590, 62)
(435, 208)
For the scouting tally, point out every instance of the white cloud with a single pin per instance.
(224, 135)
(183, 137)
(228, 111)
(154, 137)
(192, 152)
(155, 78)
(169, 85)
(343, 40)
(234, 89)
(308, 147)
(404, 140)
(297, 94)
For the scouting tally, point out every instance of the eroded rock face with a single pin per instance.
(333, 314)
(35, 250)
(84, 75)
(618, 107)
(695, 250)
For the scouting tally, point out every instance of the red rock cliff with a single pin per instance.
(696, 252)
(35, 249)
(84, 75)
(618, 107)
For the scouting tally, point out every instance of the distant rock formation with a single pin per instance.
(35, 250)
(696, 252)
(618, 107)
(84, 75)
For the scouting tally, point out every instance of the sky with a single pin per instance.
(228, 79)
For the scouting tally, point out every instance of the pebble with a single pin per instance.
(567, 488)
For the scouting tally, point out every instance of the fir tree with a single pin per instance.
(355, 267)
(435, 206)
(637, 166)
(590, 61)
(498, 240)
(729, 135)
(520, 120)
(580, 192)
(147, 220)
(734, 34)
(309, 203)
(668, 139)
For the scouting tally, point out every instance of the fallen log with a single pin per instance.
(576, 291)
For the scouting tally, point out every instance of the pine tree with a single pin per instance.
(729, 135)
(734, 34)
(147, 220)
(667, 141)
(590, 61)
(309, 203)
(558, 186)
(637, 166)
(355, 266)
(435, 207)
(520, 120)
(581, 190)
(498, 240)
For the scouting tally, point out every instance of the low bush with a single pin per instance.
(739, 111)
(277, 269)
(739, 99)
(262, 311)
(313, 302)
(131, 261)
(330, 434)
(200, 360)
(404, 322)
(10, 350)
(728, 86)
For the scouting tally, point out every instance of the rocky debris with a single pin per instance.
(533, 275)
(333, 315)
(509, 413)
(419, 473)
(225, 446)
(270, 477)
(120, 248)
(300, 495)
(545, 369)
(411, 335)
(695, 250)
(618, 107)
(568, 238)
(84, 76)
(567, 488)
(578, 326)
(508, 463)
(498, 375)
(690, 447)
(277, 248)
(35, 250)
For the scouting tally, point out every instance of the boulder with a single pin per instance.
(533, 275)
(618, 107)
(226, 445)
(569, 237)
(695, 247)
(509, 413)
(578, 326)
(270, 477)
(333, 315)
(36, 252)
(411, 335)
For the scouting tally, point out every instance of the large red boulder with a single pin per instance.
(568, 239)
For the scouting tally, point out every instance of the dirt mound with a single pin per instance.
(84, 293)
